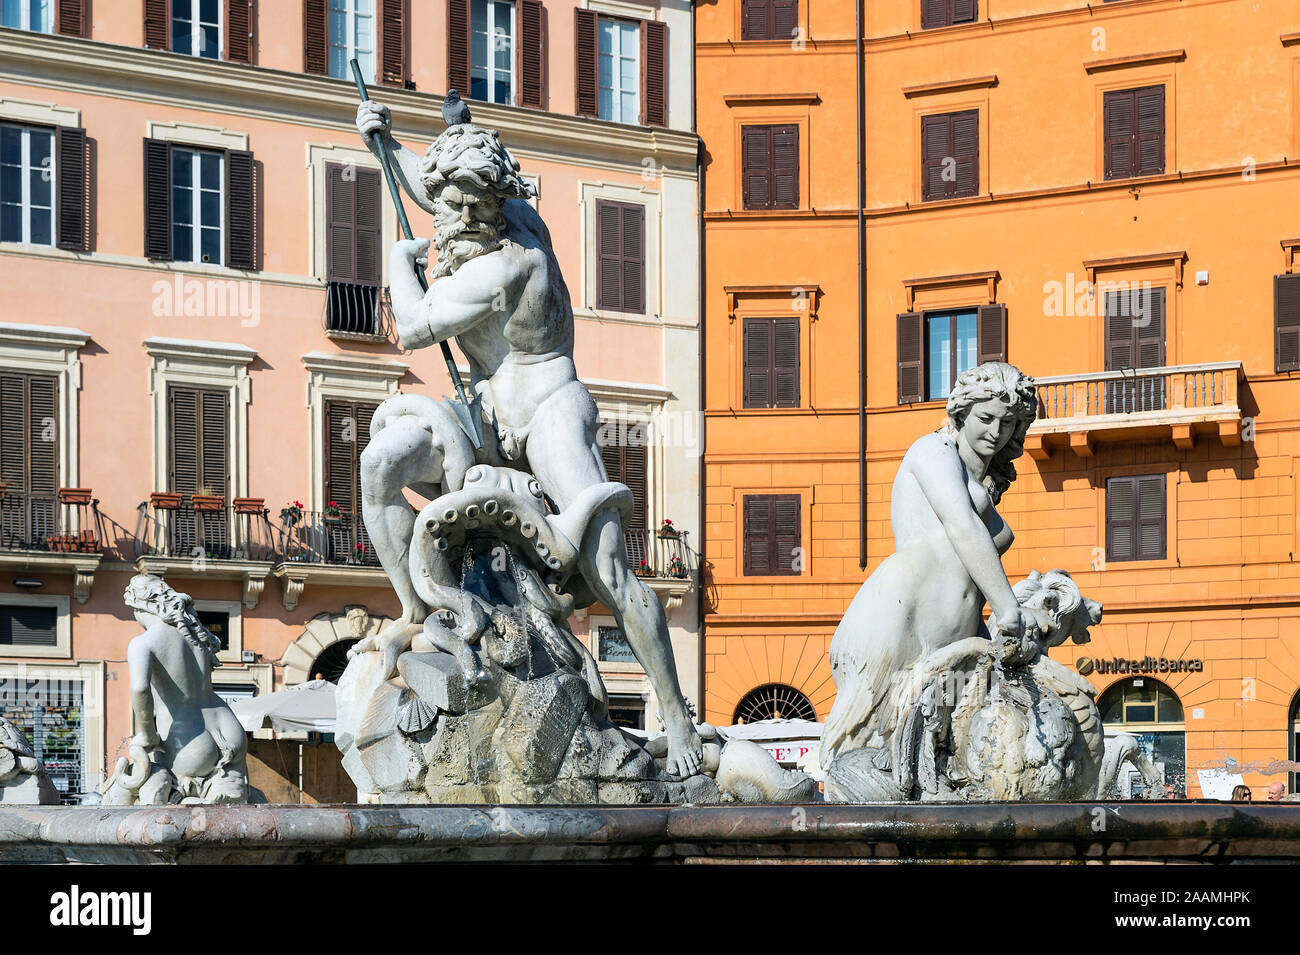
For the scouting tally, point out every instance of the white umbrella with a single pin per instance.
(308, 707)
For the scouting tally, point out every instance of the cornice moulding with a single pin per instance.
(1138, 59)
(69, 63)
(951, 86)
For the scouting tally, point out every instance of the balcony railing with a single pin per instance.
(357, 311)
(192, 526)
(654, 554)
(315, 537)
(64, 522)
(1181, 389)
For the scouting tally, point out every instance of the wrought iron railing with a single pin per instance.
(1136, 390)
(659, 554)
(193, 526)
(363, 311)
(67, 521)
(315, 537)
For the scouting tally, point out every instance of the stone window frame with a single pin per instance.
(221, 366)
(347, 377)
(589, 193)
(52, 350)
(638, 404)
(62, 604)
(91, 674)
(319, 155)
(235, 609)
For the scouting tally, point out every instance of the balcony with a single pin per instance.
(1178, 403)
(357, 312)
(324, 548)
(665, 562)
(187, 535)
(59, 532)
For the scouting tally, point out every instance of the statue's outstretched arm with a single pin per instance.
(483, 286)
(942, 478)
(140, 660)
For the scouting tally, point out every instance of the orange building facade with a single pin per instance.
(1102, 195)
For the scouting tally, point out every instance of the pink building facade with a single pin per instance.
(193, 247)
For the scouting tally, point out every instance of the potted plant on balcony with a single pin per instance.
(667, 531)
(360, 552)
(677, 568)
(291, 514)
(643, 570)
(333, 513)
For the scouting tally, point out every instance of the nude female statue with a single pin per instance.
(189, 746)
(949, 543)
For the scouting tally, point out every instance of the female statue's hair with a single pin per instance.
(995, 379)
(152, 594)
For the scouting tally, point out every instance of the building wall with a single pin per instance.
(638, 364)
(1042, 211)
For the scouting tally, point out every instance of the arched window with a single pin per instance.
(774, 701)
(1293, 737)
(1151, 712)
(331, 663)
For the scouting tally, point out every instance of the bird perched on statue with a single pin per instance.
(455, 110)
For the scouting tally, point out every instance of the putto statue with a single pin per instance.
(480, 692)
(22, 777)
(188, 747)
(928, 706)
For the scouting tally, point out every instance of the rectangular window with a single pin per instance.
(626, 710)
(23, 626)
(946, 13)
(51, 714)
(492, 51)
(34, 15)
(618, 70)
(770, 167)
(1135, 339)
(1135, 518)
(196, 28)
(29, 460)
(769, 19)
(197, 224)
(1134, 128)
(612, 646)
(218, 624)
(1286, 322)
(773, 535)
(935, 347)
(950, 155)
(353, 249)
(620, 256)
(351, 33)
(198, 441)
(771, 363)
(26, 184)
(347, 434)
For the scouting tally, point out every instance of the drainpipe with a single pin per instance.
(702, 298)
(862, 302)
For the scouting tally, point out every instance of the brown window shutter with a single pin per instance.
(785, 19)
(1117, 123)
(238, 26)
(72, 18)
(42, 441)
(934, 13)
(757, 348)
(634, 475)
(1121, 503)
(756, 166)
(758, 534)
(341, 431)
(214, 442)
(609, 255)
(531, 53)
(785, 167)
(315, 53)
(183, 440)
(70, 169)
(911, 358)
(633, 258)
(157, 199)
(1286, 322)
(1121, 345)
(963, 11)
(785, 363)
(787, 535)
(14, 432)
(1150, 517)
(936, 135)
(1149, 138)
(458, 46)
(654, 70)
(240, 211)
(1151, 336)
(392, 42)
(991, 334)
(340, 227)
(966, 152)
(158, 24)
(756, 20)
(369, 218)
(584, 46)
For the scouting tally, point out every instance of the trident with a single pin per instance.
(467, 411)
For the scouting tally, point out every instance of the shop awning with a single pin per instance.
(307, 707)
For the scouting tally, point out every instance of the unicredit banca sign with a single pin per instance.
(1086, 665)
